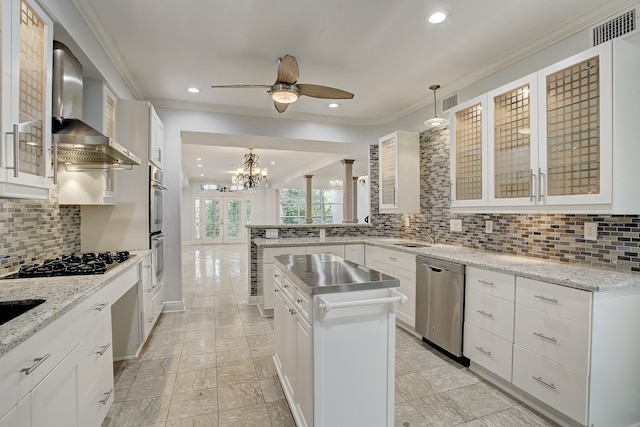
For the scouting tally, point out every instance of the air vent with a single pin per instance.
(449, 102)
(622, 24)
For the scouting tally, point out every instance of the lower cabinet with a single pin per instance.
(571, 353)
(402, 266)
(336, 366)
(20, 415)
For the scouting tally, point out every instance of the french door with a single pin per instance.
(221, 219)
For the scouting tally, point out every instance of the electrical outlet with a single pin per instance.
(406, 222)
(322, 234)
(590, 231)
(455, 225)
(488, 226)
(271, 233)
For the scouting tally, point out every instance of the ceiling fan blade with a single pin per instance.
(317, 91)
(281, 107)
(243, 86)
(288, 70)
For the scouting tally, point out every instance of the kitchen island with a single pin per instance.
(335, 340)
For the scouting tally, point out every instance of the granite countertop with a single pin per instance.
(571, 275)
(61, 295)
(326, 273)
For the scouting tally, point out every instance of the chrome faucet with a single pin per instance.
(431, 234)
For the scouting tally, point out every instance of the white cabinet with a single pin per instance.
(399, 172)
(145, 297)
(156, 142)
(336, 365)
(20, 415)
(25, 151)
(354, 253)
(559, 140)
(489, 320)
(265, 283)
(402, 266)
(337, 250)
(468, 153)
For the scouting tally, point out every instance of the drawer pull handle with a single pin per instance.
(542, 297)
(484, 282)
(148, 290)
(539, 379)
(286, 286)
(484, 313)
(278, 275)
(38, 361)
(299, 301)
(541, 335)
(104, 349)
(292, 311)
(488, 353)
(276, 290)
(101, 306)
(107, 395)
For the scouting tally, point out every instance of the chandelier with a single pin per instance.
(250, 175)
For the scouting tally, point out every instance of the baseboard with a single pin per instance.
(173, 306)
(254, 299)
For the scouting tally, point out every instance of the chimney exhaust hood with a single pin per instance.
(76, 141)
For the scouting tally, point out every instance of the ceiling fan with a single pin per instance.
(286, 89)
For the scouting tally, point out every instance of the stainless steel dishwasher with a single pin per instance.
(440, 303)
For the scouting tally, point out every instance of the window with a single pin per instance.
(326, 206)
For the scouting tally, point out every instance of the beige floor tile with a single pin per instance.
(204, 335)
(195, 380)
(223, 344)
(517, 416)
(194, 403)
(481, 399)
(151, 387)
(192, 348)
(156, 367)
(197, 362)
(252, 416)
(413, 386)
(407, 415)
(234, 357)
(162, 351)
(236, 374)
(449, 377)
(142, 412)
(232, 332)
(239, 395)
(279, 414)
(271, 390)
(206, 420)
(441, 411)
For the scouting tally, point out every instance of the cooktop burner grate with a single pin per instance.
(72, 265)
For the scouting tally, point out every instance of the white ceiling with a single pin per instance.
(381, 50)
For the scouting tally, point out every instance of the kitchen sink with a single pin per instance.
(412, 245)
(12, 309)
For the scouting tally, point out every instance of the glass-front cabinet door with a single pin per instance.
(512, 143)
(468, 134)
(27, 34)
(576, 137)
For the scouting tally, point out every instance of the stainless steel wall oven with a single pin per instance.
(156, 236)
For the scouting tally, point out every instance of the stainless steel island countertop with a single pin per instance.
(326, 273)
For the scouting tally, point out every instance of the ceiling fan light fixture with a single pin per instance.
(284, 93)
(436, 121)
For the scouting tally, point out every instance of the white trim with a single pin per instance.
(173, 306)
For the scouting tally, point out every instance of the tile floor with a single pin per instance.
(211, 366)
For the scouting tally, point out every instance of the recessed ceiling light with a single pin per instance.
(194, 90)
(273, 163)
(437, 17)
(199, 166)
(334, 105)
(198, 159)
(201, 174)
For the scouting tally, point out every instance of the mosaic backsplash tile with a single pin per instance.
(33, 230)
(557, 237)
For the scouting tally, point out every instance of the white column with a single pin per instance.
(355, 199)
(307, 215)
(347, 192)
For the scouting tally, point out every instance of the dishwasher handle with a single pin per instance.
(435, 269)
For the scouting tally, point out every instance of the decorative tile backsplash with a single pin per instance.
(33, 230)
(557, 237)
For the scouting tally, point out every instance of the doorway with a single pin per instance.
(220, 219)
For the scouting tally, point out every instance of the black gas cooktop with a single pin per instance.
(72, 265)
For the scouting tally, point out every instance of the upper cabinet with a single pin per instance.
(156, 144)
(25, 151)
(399, 172)
(469, 153)
(559, 140)
(140, 127)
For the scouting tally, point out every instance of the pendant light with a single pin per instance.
(435, 122)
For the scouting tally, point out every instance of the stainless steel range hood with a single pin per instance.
(76, 141)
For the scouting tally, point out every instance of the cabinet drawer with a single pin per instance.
(337, 250)
(568, 303)
(397, 259)
(269, 253)
(554, 384)
(289, 289)
(95, 403)
(147, 321)
(94, 354)
(561, 340)
(303, 304)
(95, 308)
(492, 314)
(488, 351)
(489, 282)
(354, 253)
